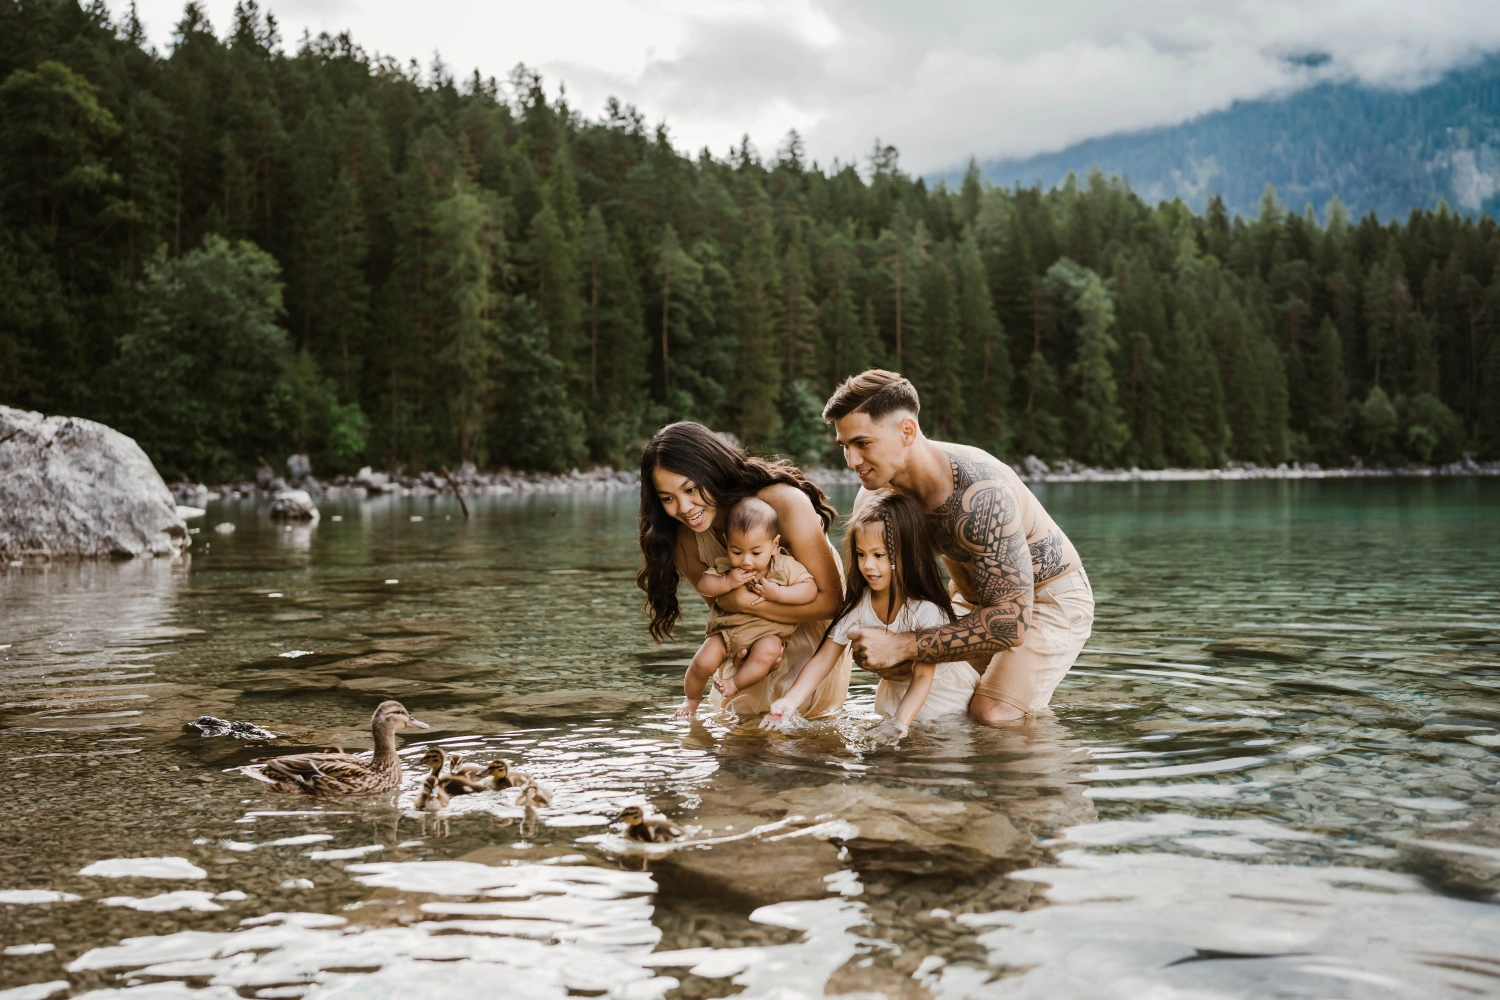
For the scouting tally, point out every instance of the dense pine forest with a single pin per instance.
(245, 247)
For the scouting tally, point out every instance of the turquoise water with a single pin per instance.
(1272, 772)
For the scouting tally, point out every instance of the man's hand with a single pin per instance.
(884, 652)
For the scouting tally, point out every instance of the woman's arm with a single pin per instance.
(786, 593)
(813, 672)
(802, 534)
(688, 563)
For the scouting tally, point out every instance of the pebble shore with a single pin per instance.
(604, 479)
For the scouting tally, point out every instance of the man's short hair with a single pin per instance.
(752, 513)
(876, 392)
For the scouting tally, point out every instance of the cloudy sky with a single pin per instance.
(940, 80)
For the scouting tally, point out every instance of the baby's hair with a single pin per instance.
(914, 567)
(752, 513)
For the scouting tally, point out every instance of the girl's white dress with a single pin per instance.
(952, 683)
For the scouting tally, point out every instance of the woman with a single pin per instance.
(689, 481)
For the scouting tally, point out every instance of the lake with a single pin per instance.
(1272, 772)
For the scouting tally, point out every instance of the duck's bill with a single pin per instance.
(415, 724)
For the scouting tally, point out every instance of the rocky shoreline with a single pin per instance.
(368, 483)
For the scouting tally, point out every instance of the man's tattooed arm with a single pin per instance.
(1049, 556)
(982, 517)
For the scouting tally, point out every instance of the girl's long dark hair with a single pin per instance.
(914, 566)
(725, 475)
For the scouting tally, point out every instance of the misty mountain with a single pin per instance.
(1381, 150)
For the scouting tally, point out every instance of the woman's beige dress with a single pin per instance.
(800, 646)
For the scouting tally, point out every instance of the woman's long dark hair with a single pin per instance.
(914, 566)
(725, 476)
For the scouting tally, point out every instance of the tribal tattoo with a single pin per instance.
(980, 525)
(1049, 556)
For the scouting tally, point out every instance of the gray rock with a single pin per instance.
(72, 488)
(264, 476)
(298, 467)
(1035, 467)
(563, 705)
(293, 505)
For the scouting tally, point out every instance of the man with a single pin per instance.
(1028, 601)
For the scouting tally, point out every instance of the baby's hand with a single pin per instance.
(741, 577)
(767, 589)
(688, 709)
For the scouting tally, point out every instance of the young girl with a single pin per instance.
(893, 583)
(757, 563)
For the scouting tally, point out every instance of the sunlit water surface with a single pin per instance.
(1272, 772)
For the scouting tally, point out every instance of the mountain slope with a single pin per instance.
(1377, 150)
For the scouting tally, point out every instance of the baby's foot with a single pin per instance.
(688, 709)
(726, 687)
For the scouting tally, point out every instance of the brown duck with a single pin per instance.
(650, 831)
(343, 773)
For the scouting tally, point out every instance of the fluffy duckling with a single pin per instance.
(343, 773)
(431, 795)
(500, 775)
(455, 782)
(533, 794)
(457, 766)
(657, 830)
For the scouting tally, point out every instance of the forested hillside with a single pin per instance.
(236, 250)
(1378, 150)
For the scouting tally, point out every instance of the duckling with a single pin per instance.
(431, 795)
(343, 773)
(457, 766)
(453, 783)
(500, 775)
(650, 831)
(533, 794)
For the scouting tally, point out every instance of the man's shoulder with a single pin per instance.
(972, 465)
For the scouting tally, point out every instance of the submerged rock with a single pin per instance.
(898, 829)
(1257, 649)
(72, 488)
(293, 505)
(1463, 860)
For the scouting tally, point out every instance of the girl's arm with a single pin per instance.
(813, 672)
(802, 534)
(916, 694)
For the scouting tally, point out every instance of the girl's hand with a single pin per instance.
(688, 709)
(889, 731)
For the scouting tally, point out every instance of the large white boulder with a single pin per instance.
(73, 488)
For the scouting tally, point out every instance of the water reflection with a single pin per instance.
(1272, 772)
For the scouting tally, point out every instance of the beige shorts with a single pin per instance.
(1062, 616)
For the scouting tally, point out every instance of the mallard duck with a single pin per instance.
(343, 773)
(650, 831)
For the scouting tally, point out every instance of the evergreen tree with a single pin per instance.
(984, 343)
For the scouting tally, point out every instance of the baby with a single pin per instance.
(757, 564)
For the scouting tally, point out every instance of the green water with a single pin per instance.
(1270, 773)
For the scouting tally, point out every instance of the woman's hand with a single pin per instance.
(783, 715)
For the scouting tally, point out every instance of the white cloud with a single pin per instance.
(941, 81)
